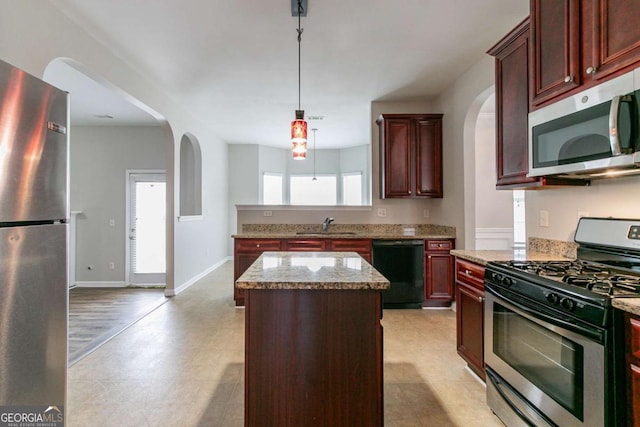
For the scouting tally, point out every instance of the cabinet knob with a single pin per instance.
(568, 79)
(468, 272)
(257, 245)
(590, 70)
(480, 299)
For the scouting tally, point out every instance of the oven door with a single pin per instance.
(542, 363)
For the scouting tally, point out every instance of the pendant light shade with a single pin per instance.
(299, 136)
(299, 125)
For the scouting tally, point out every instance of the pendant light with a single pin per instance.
(299, 125)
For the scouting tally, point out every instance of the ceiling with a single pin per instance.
(234, 64)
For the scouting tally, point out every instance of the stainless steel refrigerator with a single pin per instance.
(34, 211)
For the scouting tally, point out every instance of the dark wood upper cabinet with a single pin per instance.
(555, 48)
(616, 36)
(512, 108)
(410, 155)
(578, 44)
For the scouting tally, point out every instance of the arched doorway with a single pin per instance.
(110, 134)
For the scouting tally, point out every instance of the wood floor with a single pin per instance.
(98, 314)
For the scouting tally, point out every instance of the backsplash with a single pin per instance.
(553, 247)
(377, 229)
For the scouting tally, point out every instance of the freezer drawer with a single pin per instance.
(33, 315)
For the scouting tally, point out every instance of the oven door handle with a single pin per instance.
(590, 332)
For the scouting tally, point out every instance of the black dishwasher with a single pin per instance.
(402, 263)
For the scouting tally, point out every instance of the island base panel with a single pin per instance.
(313, 357)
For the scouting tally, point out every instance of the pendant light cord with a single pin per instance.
(300, 30)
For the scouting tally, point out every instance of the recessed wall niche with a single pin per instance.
(190, 176)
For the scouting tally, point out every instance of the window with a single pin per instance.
(272, 191)
(352, 188)
(306, 191)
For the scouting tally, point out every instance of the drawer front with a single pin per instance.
(634, 329)
(258, 245)
(470, 273)
(305, 245)
(350, 245)
(439, 245)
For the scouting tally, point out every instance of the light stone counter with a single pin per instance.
(312, 270)
(631, 305)
(482, 257)
(347, 231)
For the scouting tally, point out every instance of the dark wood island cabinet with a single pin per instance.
(313, 340)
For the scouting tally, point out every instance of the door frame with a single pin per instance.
(127, 244)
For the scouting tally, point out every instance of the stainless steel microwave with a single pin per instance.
(592, 134)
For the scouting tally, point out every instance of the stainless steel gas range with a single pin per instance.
(554, 345)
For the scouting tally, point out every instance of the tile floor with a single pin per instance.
(182, 365)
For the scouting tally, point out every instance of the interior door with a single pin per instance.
(146, 229)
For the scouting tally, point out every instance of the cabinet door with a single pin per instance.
(429, 158)
(512, 108)
(616, 36)
(397, 138)
(470, 325)
(305, 245)
(555, 52)
(246, 251)
(439, 279)
(361, 246)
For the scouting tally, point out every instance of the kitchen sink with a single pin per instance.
(328, 233)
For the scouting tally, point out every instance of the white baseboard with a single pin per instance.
(100, 284)
(194, 279)
(494, 238)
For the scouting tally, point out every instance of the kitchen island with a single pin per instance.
(313, 340)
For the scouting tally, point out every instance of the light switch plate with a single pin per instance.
(543, 218)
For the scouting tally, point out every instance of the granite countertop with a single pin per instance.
(312, 270)
(484, 256)
(340, 235)
(347, 231)
(631, 305)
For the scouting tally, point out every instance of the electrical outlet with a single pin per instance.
(382, 212)
(543, 219)
(112, 265)
(267, 213)
(426, 213)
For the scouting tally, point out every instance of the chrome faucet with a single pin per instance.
(326, 223)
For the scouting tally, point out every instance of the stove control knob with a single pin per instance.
(496, 277)
(507, 281)
(553, 298)
(568, 304)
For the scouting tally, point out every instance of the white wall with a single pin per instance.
(609, 197)
(100, 155)
(461, 104)
(33, 33)
(398, 211)
(243, 181)
(493, 208)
